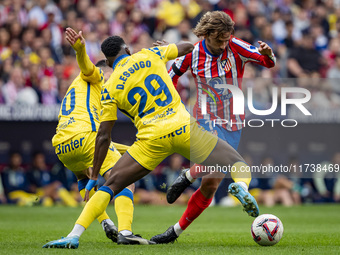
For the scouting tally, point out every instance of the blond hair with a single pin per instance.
(216, 22)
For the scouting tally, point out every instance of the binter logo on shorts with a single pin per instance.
(179, 131)
(72, 145)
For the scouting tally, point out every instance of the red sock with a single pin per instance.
(196, 171)
(196, 205)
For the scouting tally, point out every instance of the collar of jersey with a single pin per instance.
(117, 60)
(207, 51)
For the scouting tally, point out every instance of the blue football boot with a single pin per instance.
(248, 201)
(64, 243)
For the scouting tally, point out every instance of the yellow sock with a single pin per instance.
(124, 209)
(101, 217)
(94, 207)
(242, 173)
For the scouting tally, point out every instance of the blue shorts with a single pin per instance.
(231, 137)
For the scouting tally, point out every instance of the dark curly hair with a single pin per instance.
(112, 45)
(101, 63)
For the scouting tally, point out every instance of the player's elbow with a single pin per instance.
(103, 140)
(184, 48)
(272, 61)
(103, 137)
(189, 48)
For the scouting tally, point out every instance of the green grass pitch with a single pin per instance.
(309, 229)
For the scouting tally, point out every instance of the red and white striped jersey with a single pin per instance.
(209, 70)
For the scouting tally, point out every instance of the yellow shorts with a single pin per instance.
(191, 141)
(77, 153)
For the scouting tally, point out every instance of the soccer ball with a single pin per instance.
(267, 229)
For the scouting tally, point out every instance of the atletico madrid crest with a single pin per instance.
(226, 64)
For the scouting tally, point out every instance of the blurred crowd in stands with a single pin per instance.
(40, 184)
(38, 65)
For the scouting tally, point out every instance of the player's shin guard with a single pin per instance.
(95, 206)
(242, 173)
(124, 209)
(81, 186)
(196, 205)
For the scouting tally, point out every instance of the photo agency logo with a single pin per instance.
(300, 96)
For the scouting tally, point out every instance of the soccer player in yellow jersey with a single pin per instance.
(75, 139)
(142, 89)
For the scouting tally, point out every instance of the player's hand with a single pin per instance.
(89, 186)
(160, 43)
(264, 49)
(77, 41)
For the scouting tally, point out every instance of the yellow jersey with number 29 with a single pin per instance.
(80, 108)
(141, 88)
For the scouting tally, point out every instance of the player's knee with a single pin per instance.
(110, 179)
(209, 188)
(107, 174)
(113, 181)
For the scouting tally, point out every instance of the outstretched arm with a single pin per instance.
(183, 58)
(77, 42)
(182, 47)
(263, 55)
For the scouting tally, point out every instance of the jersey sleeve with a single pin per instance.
(96, 77)
(179, 67)
(89, 72)
(109, 106)
(250, 53)
(165, 53)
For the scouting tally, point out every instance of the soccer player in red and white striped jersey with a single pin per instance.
(219, 58)
(220, 61)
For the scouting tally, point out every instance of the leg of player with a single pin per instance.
(184, 180)
(125, 172)
(124, 210)
(108, 226)
(198, 202)
(104, 219)
(222, 155)
(188, 176)
(72, 239)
